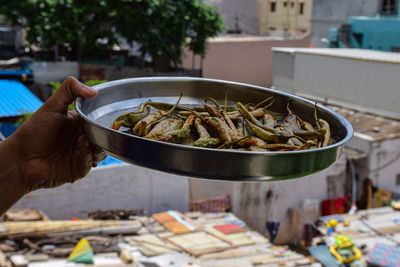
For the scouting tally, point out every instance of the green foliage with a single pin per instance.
(23, 118)
(94, 82)
(164, 26)
(159, 26)
(74, 23)
(55, 86)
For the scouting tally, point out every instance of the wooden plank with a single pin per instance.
(171, 223)
(234, 253)
(3, 259)
(155, 240)
(24, 215)
(40, 228)
(19, 261)
(199, 243)
(271, 260)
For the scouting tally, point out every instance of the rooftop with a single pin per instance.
(349, 53)
(252, 38)
(16, 99)
(373, 127)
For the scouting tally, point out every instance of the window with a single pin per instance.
(389, 7)
(396, 49)
(273, 7)
(285, 4)
(292, 4)
(301, 8)
(358, 37)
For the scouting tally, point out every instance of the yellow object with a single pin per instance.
(381, 198)
(396, 205)
(82, 253)
(346, 223)
(332, 223)
(344, 242)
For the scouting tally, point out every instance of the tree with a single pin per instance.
(74, 25)
(163, 27)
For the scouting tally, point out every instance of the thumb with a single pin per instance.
(66, 94)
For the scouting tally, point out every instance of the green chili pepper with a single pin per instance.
(265, 135)
(131, 118)
(247, 115)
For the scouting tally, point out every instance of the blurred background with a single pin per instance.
(343, 54)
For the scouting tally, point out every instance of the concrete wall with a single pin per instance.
(382, 165)
(46, 71)
(368, 82)
(112, 187)
(332, 14)
(241, 59)
(243, 13)
(256, 203)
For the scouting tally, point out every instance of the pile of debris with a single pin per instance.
(366, 238)
(164, 239)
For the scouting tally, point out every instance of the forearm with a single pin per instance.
(11, 186)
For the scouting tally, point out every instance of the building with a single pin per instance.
(365, 80)
(328, 14)
(380, 32)
(277, 16)
(265, 16)
(240, 58)
(362, 86)
(239, 16)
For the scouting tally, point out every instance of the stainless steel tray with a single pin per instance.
(120, 96)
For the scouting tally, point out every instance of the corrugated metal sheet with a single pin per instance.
(16, 99)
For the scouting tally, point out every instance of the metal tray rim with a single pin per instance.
(99, 87)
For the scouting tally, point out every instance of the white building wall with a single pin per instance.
(46, 71)
(367, 82)
(112, 187)
(256, 203)
(384, 164)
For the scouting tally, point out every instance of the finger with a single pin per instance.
(66, 94)
(98, 155)
(83, 158)
(73, 114)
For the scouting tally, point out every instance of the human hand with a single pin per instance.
(50, 148)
